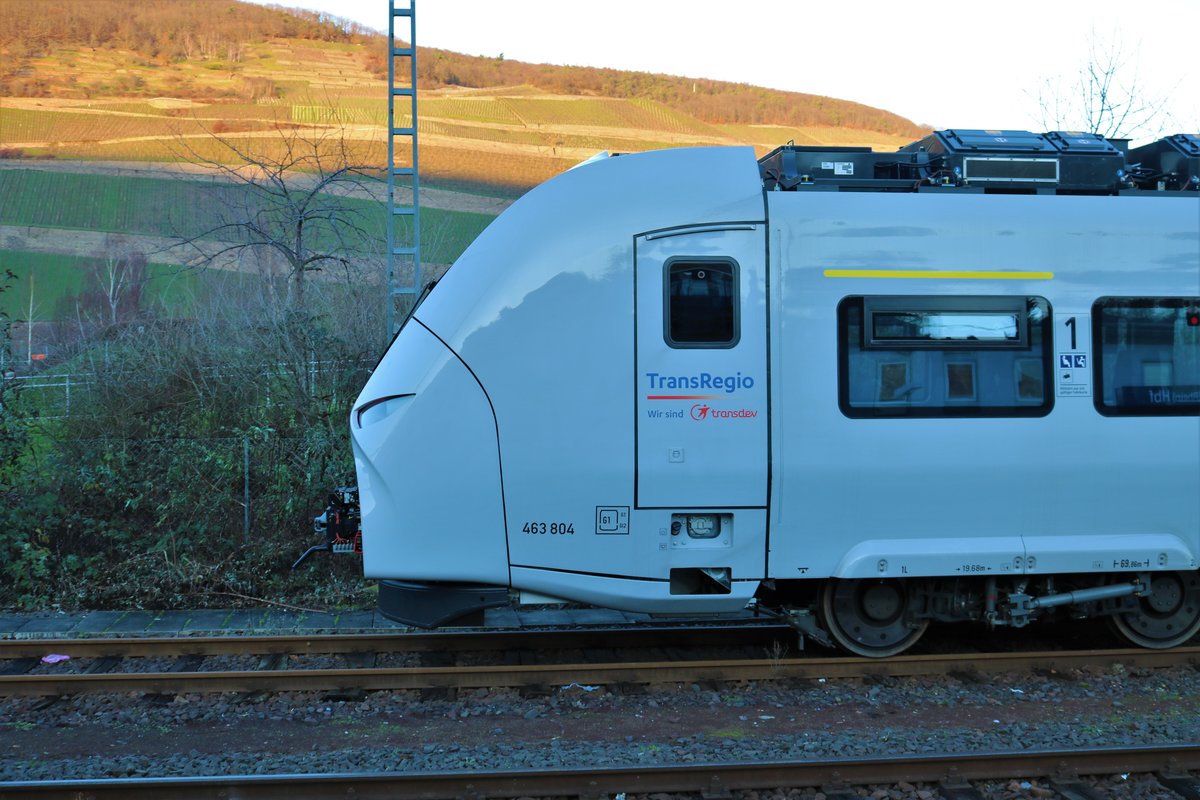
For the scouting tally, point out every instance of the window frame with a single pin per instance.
(956, 351)
(735, 271)
(874, 305)
(1138, 301)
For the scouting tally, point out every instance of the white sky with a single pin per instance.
(965, 64)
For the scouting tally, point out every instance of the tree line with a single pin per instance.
(164, 29)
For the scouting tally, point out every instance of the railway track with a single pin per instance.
(111, 667)
(956, 777)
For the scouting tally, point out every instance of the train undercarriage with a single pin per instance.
(884, 617)
(876, 618)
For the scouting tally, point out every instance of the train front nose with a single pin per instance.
(428, 463)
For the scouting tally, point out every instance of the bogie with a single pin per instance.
(880, 617)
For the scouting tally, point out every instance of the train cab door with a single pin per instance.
(701, 368)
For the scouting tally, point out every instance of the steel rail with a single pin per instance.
(493, 676)
(395, 642)
(711, 780)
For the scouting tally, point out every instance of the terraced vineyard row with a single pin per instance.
(129, 205)
(23, 126)
(268, 147)
(510, 140)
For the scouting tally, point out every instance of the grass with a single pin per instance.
(730, 732)
(169, 207)
(170, 288)
(53, 277)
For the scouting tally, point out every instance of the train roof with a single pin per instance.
(994, 161)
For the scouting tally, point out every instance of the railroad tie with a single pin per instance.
(1186, 786)
(958, 789)
(188, 663)
(1075, 789)
(839, 790)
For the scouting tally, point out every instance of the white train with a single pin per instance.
(864, 390)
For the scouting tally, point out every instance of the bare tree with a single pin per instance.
(1105, 96)
(119, 277)
(292, 207)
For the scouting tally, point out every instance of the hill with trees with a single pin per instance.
(220, 33)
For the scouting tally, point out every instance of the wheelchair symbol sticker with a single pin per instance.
(1072, 361)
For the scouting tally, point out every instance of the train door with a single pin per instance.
(701, 368)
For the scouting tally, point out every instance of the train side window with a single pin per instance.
(701, 303)
(939, 356)
(1147, 355)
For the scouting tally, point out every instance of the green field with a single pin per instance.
(171, 207)
(169, 289)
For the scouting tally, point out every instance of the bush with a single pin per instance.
(140, 500)
(24, 554)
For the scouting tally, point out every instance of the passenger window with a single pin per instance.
(1147, 355)
(926, 356)
(701, 303)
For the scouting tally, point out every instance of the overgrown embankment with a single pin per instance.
(172, 463)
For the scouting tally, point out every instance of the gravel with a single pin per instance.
(407, 731)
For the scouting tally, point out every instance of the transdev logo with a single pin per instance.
(702, 412)
(699, 382)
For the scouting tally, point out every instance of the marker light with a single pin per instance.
(1193, 318)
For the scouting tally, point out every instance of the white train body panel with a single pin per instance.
(552, 426)
(434, 427)
(1072, 491)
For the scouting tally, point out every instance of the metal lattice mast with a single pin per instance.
(404, 210)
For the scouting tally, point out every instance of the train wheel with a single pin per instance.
(868, 617)
(1167, 616)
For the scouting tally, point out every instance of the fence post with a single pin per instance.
(246, 485)
(68, 378)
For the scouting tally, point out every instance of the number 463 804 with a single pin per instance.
(554, 528)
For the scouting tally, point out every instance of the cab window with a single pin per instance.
(701, 303)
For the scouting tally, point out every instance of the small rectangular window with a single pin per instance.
(936, 322)
(930, 356)
(701, 303)
(1147, 355)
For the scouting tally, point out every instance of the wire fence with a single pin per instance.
(180, 457)
(224, 486)
(60, 394)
